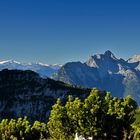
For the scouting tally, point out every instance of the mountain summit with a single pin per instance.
(109, 54)
(106, 72)
(98, 60)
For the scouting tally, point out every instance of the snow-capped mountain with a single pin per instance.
(44, 70)
(135, 58)
(106, 72)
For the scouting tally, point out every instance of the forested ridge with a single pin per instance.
(99, 116)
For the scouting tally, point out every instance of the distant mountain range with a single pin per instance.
(103, 71)
(106, 72)
(44, 70)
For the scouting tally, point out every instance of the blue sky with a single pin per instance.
(57, 31)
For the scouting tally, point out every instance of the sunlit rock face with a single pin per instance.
(133, 59)
(80, 137)
(25, 93)
(105, 72)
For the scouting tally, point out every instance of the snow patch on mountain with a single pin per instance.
(133, 59)
(44, 70)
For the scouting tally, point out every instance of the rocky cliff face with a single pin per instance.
(26, 93)
(106, 72)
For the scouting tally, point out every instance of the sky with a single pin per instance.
(58, 31)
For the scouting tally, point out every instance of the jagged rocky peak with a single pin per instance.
(134, 58)
(95, 60)
(108, 53)
(91, 62)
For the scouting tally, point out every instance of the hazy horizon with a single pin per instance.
(33, 62)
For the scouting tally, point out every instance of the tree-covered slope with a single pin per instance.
(99, 116)
(26, 93)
